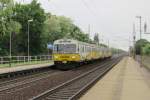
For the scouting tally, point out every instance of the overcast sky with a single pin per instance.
(112, 19)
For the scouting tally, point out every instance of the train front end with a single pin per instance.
(65, 53)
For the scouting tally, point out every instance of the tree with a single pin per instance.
(57, 27)
(146, 49)
(139, 45)
(6, 12)
(45, 28)
(23, 14)
(65, 24)
(52, 28)
(7, 25)
(96, 38)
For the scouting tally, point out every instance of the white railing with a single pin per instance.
(24, 59)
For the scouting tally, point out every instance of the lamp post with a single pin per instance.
(29, 38)
(140, 18)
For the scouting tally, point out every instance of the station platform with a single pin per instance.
(126, 81)
(6, 70)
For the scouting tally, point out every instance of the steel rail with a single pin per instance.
(10, 81)
(31, 80)
(90, 84)
(73, 91)
(7, 85)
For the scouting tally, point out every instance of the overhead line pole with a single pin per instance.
(89, 29)
(134, 39)
(140, 18)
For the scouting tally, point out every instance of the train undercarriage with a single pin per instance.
(66, 65)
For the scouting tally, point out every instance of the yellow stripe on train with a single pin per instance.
(66, 57)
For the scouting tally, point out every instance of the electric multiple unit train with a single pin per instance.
(72, 52)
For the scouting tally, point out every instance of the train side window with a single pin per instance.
(87, 49)
(82, 48)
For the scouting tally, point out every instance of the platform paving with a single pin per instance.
(24, 67)
(126, 81)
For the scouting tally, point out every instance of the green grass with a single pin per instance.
(25, 63)
(146, 61)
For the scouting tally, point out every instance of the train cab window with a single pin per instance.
(80, 48)
(70, 48)
(83, 48)
(89, 49)
(65, 48)
(86, 48)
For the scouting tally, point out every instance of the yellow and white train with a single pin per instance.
(70, 52)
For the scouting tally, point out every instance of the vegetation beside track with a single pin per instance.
(44, 28)
(27, 90)
(142, 48)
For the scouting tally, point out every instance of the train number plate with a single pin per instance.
(64, 56)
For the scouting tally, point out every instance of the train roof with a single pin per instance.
(62, 41)
(72, 41)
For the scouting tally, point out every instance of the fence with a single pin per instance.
(22, 60)
(145, 60)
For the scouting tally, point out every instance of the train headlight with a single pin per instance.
(55, 57)
(73, 57)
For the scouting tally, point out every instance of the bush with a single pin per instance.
(146, 49)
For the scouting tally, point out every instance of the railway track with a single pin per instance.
(24, 76)
(29, 87)
(14, 83)
(75, 87)
(10, 84)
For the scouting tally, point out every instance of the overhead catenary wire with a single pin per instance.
(92, 13)
(88, 7)
(53, 5)
(90, 10)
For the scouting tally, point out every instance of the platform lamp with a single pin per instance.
(29, 21)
